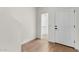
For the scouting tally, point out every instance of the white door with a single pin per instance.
(64, 27)
(44, 25)
(77, 28)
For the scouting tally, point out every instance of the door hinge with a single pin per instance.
(74, 11)
(74, 41)
(74, 26)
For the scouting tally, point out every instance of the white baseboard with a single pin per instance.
(27, 40)
(77, 50)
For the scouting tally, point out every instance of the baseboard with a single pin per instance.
(66, 45)
(29, 40)
(62, 44)
(37, 38)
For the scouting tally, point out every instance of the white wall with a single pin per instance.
(17, 25)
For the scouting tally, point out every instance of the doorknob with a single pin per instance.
(56, 28)
(55, 25)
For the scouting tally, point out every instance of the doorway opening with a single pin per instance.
(44, 26)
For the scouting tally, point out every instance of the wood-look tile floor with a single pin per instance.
(56, 47)
(43, 46)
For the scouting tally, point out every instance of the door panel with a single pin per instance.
(64, 22)
(77, 28)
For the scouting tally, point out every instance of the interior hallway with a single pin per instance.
(38, 45)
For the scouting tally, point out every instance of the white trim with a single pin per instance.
(27, 40)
